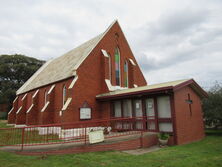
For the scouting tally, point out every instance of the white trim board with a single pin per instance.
(18, 110)
(51, 88)
(30, 108)
(45, 106)
(132, 62)
(24, 96)
(36, 92)
(105, 53)
(66, 104)
(11, 110)
(73, 82)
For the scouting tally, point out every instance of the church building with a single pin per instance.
(101, 79)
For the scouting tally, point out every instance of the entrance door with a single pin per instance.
(150, 113)
(138, 113)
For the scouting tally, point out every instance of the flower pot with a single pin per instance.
(163, 142)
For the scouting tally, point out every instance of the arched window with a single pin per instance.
(45, 96)
(117, 66)
(110, 68)
(64, 95)
(126, 74)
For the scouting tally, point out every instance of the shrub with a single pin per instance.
(163, 136)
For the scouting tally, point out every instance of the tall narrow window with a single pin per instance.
(117, 109)
(110, 68)
(45, 96)
(64, 95)
(117, 66)
(126, 74)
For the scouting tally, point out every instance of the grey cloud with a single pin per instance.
(168, 47)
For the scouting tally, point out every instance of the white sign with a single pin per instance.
(137, 105)
(150, 105)
(85, 113)
(96, 136)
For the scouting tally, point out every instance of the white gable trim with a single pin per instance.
(109, 85)
(132, 62)
(32, 77)
(19, 110)
(73, 82)
(15, 99)
(113, 88)
(50, 90)
(36, 92)
(66, 104)
(11, 110)
(30, 108)
(104, 53)
(23, 98)
(45, 106)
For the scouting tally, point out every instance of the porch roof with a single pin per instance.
(155, 88)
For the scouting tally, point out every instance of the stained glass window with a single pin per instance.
(117, 66)
(110, 68)
(64, 95)
(126, 74)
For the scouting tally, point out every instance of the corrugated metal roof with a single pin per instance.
(62, 67)
(143, 88)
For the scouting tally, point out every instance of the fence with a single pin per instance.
(72, 132)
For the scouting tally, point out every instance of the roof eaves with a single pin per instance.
(21, 89)
(149, 91)
(193, 85)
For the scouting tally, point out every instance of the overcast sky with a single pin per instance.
(171, 39)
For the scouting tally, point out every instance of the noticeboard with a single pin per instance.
(85, 113)
(96, 136)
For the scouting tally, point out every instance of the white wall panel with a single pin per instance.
(165, 127)
(163, 105)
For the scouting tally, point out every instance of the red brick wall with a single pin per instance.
(188, 127)
(109, 43)
(93, 71)
(105, 110)
(36, 116)
(146, 141)
(91, 82)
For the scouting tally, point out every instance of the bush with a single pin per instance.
(163, 136)
(212, 107)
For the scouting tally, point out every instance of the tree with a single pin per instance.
(212, 107)
(15, 70)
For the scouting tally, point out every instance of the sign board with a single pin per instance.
(85, 113)
(150, 104)
(96, 136)
(137, 105)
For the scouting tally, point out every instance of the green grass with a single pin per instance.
(210, 132)
(205, 153)
(11, 137)
(3, 124)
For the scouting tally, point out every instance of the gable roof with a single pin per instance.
(62, 67)
(173, 85)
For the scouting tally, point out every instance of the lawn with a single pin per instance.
(3, 124)
(11, 137)
(205, 153)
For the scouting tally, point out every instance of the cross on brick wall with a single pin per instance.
(190, 102)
